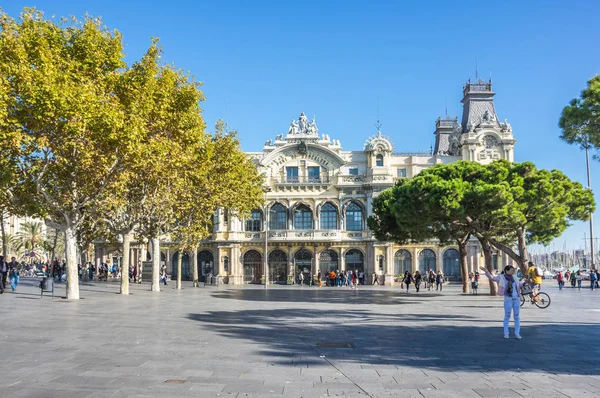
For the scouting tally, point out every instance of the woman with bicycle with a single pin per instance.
(509, 287)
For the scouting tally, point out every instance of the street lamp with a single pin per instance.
(266, 256)
(589, 186)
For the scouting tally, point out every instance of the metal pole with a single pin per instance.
(587, 162)
(266, 246)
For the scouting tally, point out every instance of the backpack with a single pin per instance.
(538, 272)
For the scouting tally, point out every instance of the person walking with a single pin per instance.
(509, 287)
(376, 279)
(418, 279)
(439, 281)
(407, 280)
(560, 279)
(3, 271)
(14, 279)
(320, 283)
(579, 279)
(573, 278)
(301, 277)
(163, 275)
(431, 278)
(593, 279)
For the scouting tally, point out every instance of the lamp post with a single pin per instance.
(266, 256)
(589, 186)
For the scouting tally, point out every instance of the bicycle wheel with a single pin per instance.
(522, 299)
(543, 300)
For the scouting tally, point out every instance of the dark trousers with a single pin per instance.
(438, 286)
(4, 279)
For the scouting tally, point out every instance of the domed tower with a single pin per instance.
(379, 151)
(481, 137)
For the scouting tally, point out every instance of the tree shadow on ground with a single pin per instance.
(295, 337)
(325, 295)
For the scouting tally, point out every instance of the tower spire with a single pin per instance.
(476, 70)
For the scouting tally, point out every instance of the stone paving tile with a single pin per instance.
(432, 393)
(496, 392)
(248, 341)
(540, 393)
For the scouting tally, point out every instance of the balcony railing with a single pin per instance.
(300, 180)
(305, 235)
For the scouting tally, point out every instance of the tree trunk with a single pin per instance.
(179, 257)
(523, 254)
(155, 265)
(54, 243)
(195, 266)
(127, 238)
(487, 255)
(71, 257)
(464, 270)
(4, 237)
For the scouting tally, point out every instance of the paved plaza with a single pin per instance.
(294, 342)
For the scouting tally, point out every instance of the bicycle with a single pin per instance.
(540, 299)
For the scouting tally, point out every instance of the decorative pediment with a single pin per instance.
(378, 143)
(310, 151)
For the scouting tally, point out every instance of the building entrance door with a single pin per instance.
(205, 265)
(303, 261)
(252, 266)
(278, 267)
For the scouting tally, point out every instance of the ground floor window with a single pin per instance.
(402, 262)
(451, 266)
(427, 261)
(205, 265)
(354, 260)
(186, 273)
(252, 266)
(278, 265)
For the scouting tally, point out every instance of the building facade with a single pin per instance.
(319, 196)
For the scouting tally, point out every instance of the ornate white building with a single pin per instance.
(319, 197)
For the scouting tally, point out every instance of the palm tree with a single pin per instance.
(31, 237)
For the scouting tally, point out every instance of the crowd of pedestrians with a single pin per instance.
(430, 279)
(350, 278)
(576, 278)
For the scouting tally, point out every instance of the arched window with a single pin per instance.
(379, 160)
(205, 264)
(185, 266)
(302, 218)
(427, 261)
(254, 222)
(278, 217)
(278, 263)
(252, 266)
(329, 216)
(354, 217)
(451, 265)
(354, 260)
(328, 259)
(402, 262)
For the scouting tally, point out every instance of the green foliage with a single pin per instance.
(580, 120)
(502, 203)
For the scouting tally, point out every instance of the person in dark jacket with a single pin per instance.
(418, 279)
(407, 279)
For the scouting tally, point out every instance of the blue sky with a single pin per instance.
(264, 62)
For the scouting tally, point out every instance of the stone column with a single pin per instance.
(415, 262)
(168, 262)
(342, 260)
(316, 264)
(291, 270)
(440, 260)
(389, 265)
